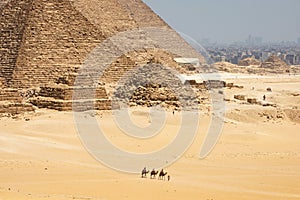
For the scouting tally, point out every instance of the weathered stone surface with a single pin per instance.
(155, 85)
(214, 84)
(152, 95)
(252, 100)
(249, 61)
(77, 106)
(15, 108)
(12, 27)
(240, 97)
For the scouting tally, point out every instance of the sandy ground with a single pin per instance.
(257, 156)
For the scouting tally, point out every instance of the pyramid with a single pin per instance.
(43, 43)
(274, 62)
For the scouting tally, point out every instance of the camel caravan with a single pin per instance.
(153, 173)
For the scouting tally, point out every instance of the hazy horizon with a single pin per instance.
(232, 20)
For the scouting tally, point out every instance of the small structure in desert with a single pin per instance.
(188, 63)
(274, 62)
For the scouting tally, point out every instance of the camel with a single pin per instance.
(162, 175)
(153, 173)
(145, 172)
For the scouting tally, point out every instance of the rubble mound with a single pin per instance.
(154, 85)
(249, 61)
(226, 67)
(154, 94)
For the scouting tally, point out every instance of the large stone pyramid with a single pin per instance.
(43, 43)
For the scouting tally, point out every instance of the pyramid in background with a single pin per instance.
(44, 42)
(274, 62)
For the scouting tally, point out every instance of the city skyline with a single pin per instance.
(231, 21)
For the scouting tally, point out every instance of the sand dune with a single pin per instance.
(257, 156)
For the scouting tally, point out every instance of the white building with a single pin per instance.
(193, 61)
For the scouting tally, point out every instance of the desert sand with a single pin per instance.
(256, 157)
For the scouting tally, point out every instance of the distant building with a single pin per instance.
(235, 60)
(265, 56)
(194, 61)
(290, 59)
(297, 60)
(188, 63)
(254, 41)
(222, 58)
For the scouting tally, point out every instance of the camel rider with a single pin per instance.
(144, 170)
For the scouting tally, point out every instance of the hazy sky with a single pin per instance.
(232, 20)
